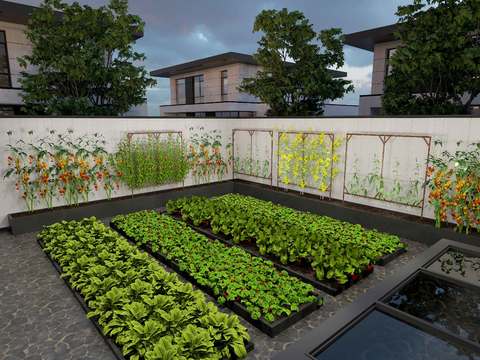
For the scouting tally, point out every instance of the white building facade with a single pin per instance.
(209, 88)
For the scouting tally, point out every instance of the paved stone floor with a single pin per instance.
(40, 318)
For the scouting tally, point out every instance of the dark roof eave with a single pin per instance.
(20, 14)
(215, 61)
(17, 13)
(204, 63)
(367, 39)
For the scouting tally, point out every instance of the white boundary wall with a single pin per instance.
(449, 130)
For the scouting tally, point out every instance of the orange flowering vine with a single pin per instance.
(454, 183)
(59, 166)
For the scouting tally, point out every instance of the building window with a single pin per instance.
(5, 80)
(224, 85)
(180, 91)
(6, 110)
(390, 53)
(199, 89)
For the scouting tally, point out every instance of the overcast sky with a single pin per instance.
(184, 30)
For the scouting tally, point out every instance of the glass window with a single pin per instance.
(180, 91)
(442, 303)
(381, 337)
(7, 111)
(4, 68)
(224, 85)
(390, 53)
(246, 114)
(199, 89)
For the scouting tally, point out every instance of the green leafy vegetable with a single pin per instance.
(336, 250)
(230, 272)
(148, 312)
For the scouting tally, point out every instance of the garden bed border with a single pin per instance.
(271, 329)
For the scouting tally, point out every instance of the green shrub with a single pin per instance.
(230, 272)
(334, 249)
(151, 161)
(148, 311)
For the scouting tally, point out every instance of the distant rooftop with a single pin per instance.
(367, 39)
(20, 14)
(219, 60)
(15, 13)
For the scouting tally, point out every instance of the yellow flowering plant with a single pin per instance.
(308, 160)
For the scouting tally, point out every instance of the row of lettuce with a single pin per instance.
(147, 311)
(230, 273)
(336, 250)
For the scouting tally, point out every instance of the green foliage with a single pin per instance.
(148, 311)
(439, 60)
(300, 88)
(205, 155)
(84, 60)
(151, 161)
(231, 273)
(454, 182)
(334, 249)
(252, 167)
(376, 186)
(60, 166)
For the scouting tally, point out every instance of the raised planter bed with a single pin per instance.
(306, 275)
(25, 222)
(403, 225)
(115, 349)
(270, 328)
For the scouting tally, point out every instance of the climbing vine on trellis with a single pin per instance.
(308, 160)
(207, 155)
(256, 160)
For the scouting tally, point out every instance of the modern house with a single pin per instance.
(382, 42)
(208, 87)
(14, 44)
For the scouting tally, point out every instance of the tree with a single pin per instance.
(84, 60)
(294, 79)
(436, 70)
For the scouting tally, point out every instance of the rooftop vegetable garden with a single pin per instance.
(269, 264)
(148, 312)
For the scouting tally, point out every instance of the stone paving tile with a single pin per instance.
(42, 320)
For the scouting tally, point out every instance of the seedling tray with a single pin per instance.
(330, 287)
(271, 329)
(115, 349)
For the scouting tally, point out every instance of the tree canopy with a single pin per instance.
(294, 78)
(436, 70)
(84, 60)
